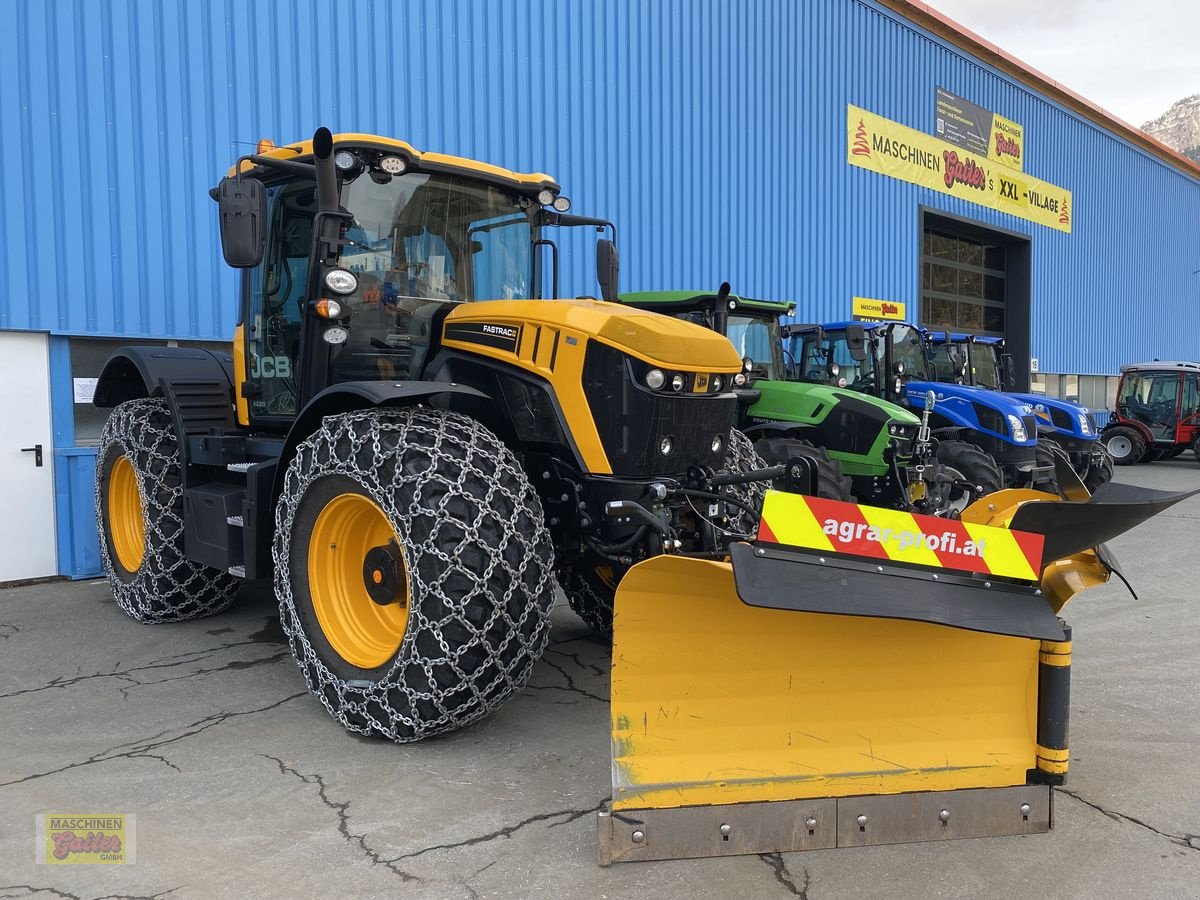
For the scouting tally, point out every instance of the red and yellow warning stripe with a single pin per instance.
(835, 527)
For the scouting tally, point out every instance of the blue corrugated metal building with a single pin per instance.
(718, 136)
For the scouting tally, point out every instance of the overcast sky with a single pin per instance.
(1133, 58)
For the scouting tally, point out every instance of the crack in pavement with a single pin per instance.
(234, 666)
(509, 830)
(601, 671)
(31, 891)
(1182, 840)
(570, 685)
(784, 877)
(142, 749)
(127, 674)
(7, 631)
(343, 819)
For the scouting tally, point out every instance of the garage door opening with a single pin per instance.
(976, 280)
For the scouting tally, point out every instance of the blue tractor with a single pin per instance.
(1061, 424)
(989, 438)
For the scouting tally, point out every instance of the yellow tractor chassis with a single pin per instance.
(798, 697)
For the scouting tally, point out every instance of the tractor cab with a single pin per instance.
(970, 359)
(357, 274)
(1157, 414)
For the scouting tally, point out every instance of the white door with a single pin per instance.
(27, 548)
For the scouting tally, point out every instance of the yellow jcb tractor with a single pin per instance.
(413, 468)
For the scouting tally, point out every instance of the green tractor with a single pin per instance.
(864, 448)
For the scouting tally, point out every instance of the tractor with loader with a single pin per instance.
(980, 361)
(418, 470)
(865, 448)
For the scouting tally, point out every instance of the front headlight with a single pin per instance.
(1018, 428)
(655, 379)
(739, 379)
(1084, 425)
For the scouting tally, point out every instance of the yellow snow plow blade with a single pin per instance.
(744, 703)
(855, 676)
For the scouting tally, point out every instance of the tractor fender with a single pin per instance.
(1130, 423)
(354, 395)
(135, 372)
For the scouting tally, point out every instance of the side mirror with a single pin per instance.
(607, 267)
(1006, 370)
(856, 342)
(242, 206)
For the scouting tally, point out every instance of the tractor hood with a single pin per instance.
(800, 400)
(653, 338)
(1002, 415)
(1062, 416)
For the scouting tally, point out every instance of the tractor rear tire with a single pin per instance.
(1175, 451)
(413, 570)
(969, 463)
(139, 515)
(832, 482)
(1099, 474)
(1124, 444)
(1152, 454)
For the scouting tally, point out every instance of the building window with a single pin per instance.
(963, 284)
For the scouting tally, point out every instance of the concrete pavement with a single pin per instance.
(243, 786)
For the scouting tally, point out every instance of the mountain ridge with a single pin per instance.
(1179, 127)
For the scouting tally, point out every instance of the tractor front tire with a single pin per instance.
(743, 455)
(140, 519)
(967, 462)
(832, 482)
(591, 593)
(1099, 474)
(1125, 445)
(589, 596)
(413, 570)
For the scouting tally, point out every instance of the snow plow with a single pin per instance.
(854, 676)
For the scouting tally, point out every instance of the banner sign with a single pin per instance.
(833, 526)
(895, 150)
(866, 308)
(980, 130)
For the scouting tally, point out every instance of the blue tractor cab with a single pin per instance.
(981, 362)
(891, 360)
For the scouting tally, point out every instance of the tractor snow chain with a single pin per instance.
(742, 457)
(443, 463)
(167, 587)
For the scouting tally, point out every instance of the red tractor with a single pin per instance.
(1157, 414)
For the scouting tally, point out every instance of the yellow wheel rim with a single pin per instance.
(126, 526)
(349, 534)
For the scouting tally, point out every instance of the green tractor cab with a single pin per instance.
(867, 448)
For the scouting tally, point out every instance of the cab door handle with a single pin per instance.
(36, 450)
